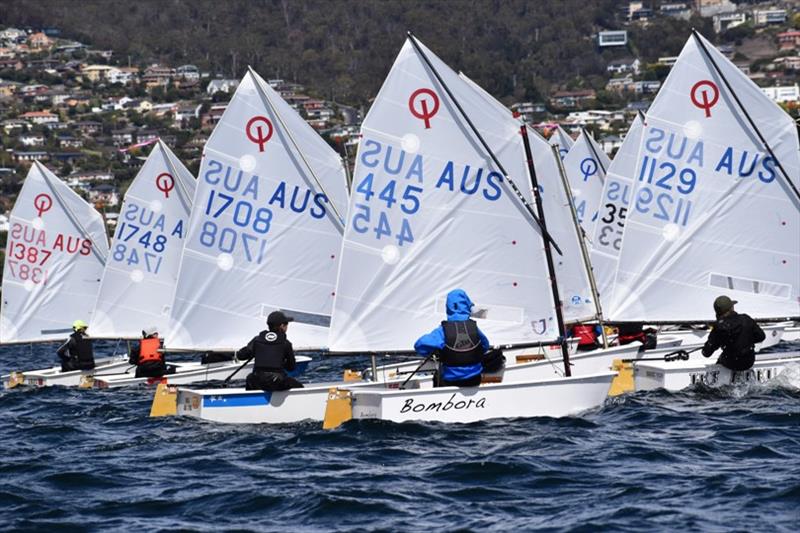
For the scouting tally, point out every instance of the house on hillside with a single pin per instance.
(573, 99)
(765, 17)
(21, 156)
(39, 41)
(789, 40)
(624, 66)
(789, 93)
(225, 86)
(40, 117)
(157, 76)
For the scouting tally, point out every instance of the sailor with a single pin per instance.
(149, 361)
(274, 356)
(458, 341)
(736, 334)
(77, 352)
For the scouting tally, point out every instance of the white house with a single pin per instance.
(787, 93)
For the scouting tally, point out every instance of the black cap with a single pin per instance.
(277, 318)
(723, 304)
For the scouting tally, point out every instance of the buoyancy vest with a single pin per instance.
(148, 350)
(628, 333)
(587, 336)
(269, 348)
(82, 352)
(462, 345)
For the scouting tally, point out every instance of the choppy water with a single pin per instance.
(704, 460)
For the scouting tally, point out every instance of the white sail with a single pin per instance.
(614, 206)
(562, 140)
(56, 250)
(431, 212)
(142, 267)
(574, 287)
(713, 212)
(265, 232)
(586, 165)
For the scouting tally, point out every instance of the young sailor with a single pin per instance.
(273, 355)
(459, 343)
(77, 352)
(736, 334)
(149, 361)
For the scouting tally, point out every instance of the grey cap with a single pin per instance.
(148, 331)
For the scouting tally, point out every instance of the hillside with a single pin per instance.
(342, 50)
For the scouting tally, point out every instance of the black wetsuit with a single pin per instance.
(77, 353)
(273, 356)
(737, 335)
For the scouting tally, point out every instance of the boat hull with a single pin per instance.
(677, 375)
(240, 406)
(551, 398)
(48, 377)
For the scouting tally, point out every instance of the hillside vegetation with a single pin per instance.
(519, 49)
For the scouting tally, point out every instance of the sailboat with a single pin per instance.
(712, 208)
(586, 165)
(57, 248)
(472, 227)
(264, 235)
(434, 206)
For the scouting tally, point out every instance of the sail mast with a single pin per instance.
(489, 151)
(582, 241)
(548, 252)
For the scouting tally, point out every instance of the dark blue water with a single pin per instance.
(698, 460)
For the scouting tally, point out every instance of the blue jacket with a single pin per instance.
(459, 307)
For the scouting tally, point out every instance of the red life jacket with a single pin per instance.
(587, 336)
(148, 350)
(627, 339)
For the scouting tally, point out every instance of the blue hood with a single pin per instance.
(459, 305)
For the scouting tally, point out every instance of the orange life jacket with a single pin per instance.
(587, 336)
(148, 350)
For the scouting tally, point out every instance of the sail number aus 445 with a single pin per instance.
(365, 219)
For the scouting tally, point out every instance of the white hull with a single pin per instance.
(554, 398)
(48, 377)
(240, 406)
(185, 374)
(677, 375)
